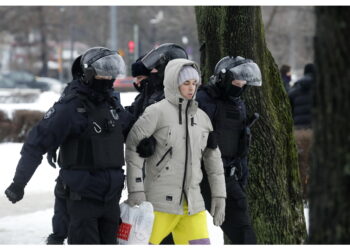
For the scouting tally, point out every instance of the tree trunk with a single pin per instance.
(274, 189)
(330, 172)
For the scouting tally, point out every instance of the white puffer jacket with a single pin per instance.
(174, 122)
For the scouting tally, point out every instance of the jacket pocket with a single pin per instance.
(162, 164)
(169, 151)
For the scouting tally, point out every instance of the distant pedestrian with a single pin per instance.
(286, 75)
(300, 96)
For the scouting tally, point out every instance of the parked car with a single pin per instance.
(6, 83)
(12, 92)
(51, 84)
(124, 84)
(23, 79)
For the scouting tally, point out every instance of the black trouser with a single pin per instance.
(92, 221)
(60, 219)
(237, 225)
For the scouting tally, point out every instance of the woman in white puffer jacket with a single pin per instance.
(173, 172)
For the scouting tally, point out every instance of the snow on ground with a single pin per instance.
(127, 98)
(32, 228)
(43, 103)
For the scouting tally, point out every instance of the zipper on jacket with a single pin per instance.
(186, 155)
(180, 110)
(170, 150)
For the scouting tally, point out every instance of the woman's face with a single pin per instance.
(188, 88)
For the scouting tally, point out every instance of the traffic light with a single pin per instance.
(131, 46)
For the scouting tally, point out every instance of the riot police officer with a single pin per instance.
(149, 73)
(87, 124)
(221, 100)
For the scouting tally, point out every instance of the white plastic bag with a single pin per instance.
(137, 223)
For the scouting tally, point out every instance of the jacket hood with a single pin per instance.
(171, 77)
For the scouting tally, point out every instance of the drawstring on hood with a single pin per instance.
(180, 110)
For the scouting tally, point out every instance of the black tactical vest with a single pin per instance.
(229, 121)
(101, 144)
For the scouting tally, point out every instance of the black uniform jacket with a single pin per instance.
(61, 121)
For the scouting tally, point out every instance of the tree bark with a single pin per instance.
(330, 172)
(274, 189)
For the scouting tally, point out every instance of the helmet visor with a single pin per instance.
(249, 72)
(109, 67)
(162, 55)
(152, 59)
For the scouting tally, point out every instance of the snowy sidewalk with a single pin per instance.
(30, 228)
(29, 204)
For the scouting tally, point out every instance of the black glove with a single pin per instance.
(51, 158)
(212, 141)
(146, 147)
(14, 192)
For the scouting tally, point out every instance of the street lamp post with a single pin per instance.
(154, 21)
(113, 28)
(60, 50)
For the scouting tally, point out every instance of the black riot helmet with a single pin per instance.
(76, 70)
(101, 63)
(237, 68)
(159, 57)
(232, 68)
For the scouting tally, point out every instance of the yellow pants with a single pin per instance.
(186, 229)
